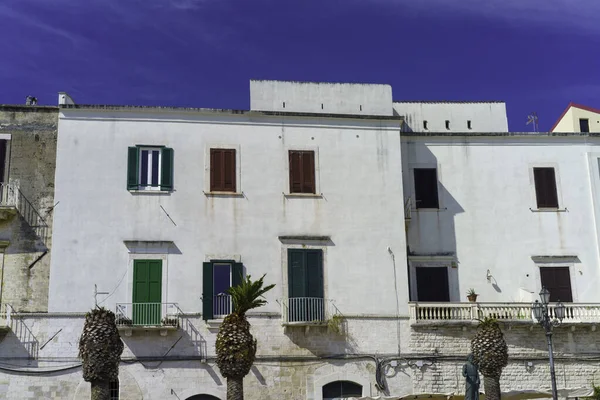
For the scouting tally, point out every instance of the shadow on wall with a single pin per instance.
(320, 341)
(431, 235)
(20, 344)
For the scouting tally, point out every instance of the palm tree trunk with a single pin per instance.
(235, 388)
(100, 390)
(491, 385)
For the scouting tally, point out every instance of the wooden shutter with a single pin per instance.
(3, 145)
(426, 188)
(302, 171)
(229, 170)
(237, 274)
(545, 187)
(314, 269)
(558, 281)
(132, 168)
(222, 170)
(296, 274)
(207, 291)
(166, 173)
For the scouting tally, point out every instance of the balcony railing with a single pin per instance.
(5, 316)
(449, 312)
(11, 196)
(306, 310)
(129, 315)
(221, 305)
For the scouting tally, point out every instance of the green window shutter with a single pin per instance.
(314, 269)
(132, 168)
(147, 292)
(166, 169)
(237, 274)
(207, 291)
(296, 273)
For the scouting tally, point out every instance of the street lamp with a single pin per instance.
(541, 312)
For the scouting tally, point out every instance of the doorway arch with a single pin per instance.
(202, 397)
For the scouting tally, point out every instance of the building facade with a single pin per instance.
(578, 118)
(372, 224)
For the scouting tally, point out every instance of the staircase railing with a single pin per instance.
(11, 196)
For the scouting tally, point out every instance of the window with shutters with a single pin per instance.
(545, 187)
(4, 161)
(222, 170)
(426, 188)
(302, 171)
(218, 277)
(150, 168)
(558, 281)
(305, 285)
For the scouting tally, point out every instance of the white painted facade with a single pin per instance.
(433, 116)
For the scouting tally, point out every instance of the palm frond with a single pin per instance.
(249, 294)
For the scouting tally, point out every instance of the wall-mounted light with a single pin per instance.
(489, 276)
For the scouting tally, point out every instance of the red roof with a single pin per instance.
(571, 104)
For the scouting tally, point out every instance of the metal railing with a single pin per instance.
(407, 208)
(147, 314)
(11, 196)
(222, 305)
(574, 312)
(307, 310)
(5, 314)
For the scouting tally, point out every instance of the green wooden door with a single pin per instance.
(305, 285)
(147, 288)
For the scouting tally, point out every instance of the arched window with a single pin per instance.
(340, 389)
(203, 397)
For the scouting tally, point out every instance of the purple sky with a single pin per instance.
(537, 55)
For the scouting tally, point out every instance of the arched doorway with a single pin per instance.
(340, 389)
(203, 397)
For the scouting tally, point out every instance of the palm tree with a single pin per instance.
(491, 355)
(236, 348)
(100, 347)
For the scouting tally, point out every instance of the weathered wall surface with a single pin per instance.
(31, 165)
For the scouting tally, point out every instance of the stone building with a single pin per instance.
(372, 217)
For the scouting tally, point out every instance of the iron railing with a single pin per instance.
(306, 310)
(5, 314)
(221, 305)
(11, 196)
(147, 314)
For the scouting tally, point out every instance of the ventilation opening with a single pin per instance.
(469, 124)
(284, 104)
(447, 124)
(425, 125)
(321, 106)
(361, 107)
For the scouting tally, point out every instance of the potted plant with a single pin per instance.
(471, 295)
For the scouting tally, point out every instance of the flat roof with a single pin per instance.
(501, 134)
(25, 108)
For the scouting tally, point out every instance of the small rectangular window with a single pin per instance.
(584, 125)
(545, 187)
(222, 170)
(447, 124)
(149, 168)
(425, 125)
(468, 124)
(113, 389)
(426, 188)
(302, 171)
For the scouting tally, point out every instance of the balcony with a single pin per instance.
(12, 201)
(306, 311)
(147, 316)
(221, 305)
(468, 313)
(5, 319)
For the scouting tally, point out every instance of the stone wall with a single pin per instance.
(31, 166)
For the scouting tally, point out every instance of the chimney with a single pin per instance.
(64, 99)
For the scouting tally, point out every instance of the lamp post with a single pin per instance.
(542, 314)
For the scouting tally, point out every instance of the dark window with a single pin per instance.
(222, 170)
(217, 277)
(305, 285)
(469, 124)
(341, 389)
(302, 171)
(584, 125)
(425, 125)
(545, 187)
(426, 188)
(432, 284)
(114, 390)
(447, 124)
(558, 281)
(3, 163)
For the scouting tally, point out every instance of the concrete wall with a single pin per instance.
(357, 160)
(325, 98)
(32, 160)
(570, 121)
(484, 116)
(488, 218)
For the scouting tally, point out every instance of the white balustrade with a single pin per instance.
(147, 314)
(222, 305)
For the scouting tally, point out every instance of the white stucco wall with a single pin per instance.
(488, 216)
(570, 121)
(321, 97)
(358, 160)
(484, 116)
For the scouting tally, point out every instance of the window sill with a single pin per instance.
(303, 195)
(549, 210)
(214, 323)
(150, 191)
(224, 194)
(429, 209)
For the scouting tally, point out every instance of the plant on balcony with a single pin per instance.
(235, 346)
(491, 355)
(100, 347)
(123, 320)
(472, 295)
(335, 324)
(170, 321)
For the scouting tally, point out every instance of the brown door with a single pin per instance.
(432, 284)
(558, 281)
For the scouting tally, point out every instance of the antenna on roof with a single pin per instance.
(533, 119)
(30, 101)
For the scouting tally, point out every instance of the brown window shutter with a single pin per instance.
(545, 187)
(216, 170)
(308, 172)
(229, 170)
(295, 172)
(558, 281)
(222, 170)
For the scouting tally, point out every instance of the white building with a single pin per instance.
(578, 118)
(335, 193)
